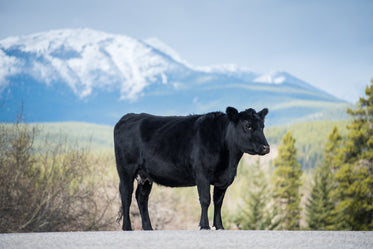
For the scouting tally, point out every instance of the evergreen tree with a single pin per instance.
(287, 183)
(354, 176)
(258, 213)
(320, 207)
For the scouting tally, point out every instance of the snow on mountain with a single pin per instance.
(270, 78)
(85, 59)
(164, 48)
(8, 66)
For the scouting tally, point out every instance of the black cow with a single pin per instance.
(181, 151)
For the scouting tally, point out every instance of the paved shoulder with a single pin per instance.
(189, 239)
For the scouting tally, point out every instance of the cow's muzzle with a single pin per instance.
(264, 149)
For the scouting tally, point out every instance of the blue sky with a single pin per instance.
(326, 43)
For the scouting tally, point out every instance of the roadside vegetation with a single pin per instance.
(52, 184)
(318, 176)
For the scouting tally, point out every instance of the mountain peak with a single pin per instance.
(164, 48)
(271, 78)
(85, 59)
(53, 39)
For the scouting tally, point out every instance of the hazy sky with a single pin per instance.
(326, 43)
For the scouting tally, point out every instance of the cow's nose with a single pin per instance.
(265, 149)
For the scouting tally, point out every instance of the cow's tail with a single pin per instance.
(119, 215)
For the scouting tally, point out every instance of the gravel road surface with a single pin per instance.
(189, 239)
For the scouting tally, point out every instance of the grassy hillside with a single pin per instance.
(92, 136)
(310, 136)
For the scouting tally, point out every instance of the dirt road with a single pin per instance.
(189, 239)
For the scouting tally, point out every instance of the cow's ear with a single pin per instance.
(263, 113)
(232, 114)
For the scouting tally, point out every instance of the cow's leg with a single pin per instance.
(203, 187)
(218, 201)
(142, 197)
(126, 190)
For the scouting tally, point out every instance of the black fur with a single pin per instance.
(200, 150)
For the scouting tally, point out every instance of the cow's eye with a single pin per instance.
(249, 127)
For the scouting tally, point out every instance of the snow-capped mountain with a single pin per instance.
(81, 73)
(86, 60)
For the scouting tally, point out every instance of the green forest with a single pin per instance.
(318, 176)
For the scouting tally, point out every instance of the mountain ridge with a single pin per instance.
(118, 74)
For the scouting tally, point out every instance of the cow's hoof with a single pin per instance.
(205, 228)
(219, 226)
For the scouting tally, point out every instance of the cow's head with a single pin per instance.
(246, 130)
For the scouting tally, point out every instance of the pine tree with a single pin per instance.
(258, 213)
(320, 207)
(287, 183)
(354, 176)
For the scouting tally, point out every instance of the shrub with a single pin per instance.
(50, 185)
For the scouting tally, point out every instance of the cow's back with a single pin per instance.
(149, 127)
(142, 134)
(168, 134)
